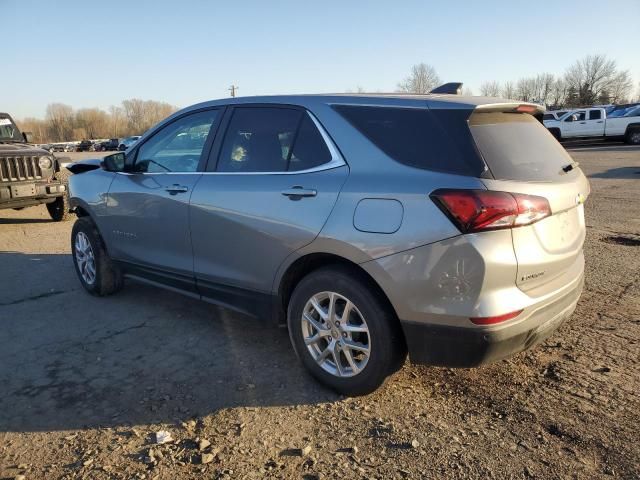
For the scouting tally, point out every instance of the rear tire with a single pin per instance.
(59, 209)
(337, 334)
(96, 271)
(633, 137)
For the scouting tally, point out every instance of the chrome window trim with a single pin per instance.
(336, 161)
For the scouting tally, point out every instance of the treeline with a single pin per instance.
(63, 123)
(595, 79)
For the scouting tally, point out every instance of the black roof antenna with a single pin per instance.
(453, 88)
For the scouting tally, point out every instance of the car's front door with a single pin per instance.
(574, 124)
(271, 184)
(148, 205)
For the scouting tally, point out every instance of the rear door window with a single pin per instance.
(595, 115)
(516, 146)
(414, 137)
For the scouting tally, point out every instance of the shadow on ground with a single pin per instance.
(69, 360)
(632, 173)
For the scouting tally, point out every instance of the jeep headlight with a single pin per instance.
(45, 163)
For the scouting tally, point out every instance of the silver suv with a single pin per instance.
(450, 227)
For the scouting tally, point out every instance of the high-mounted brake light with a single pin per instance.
(526, 109)
(496, 319)
(481, 210)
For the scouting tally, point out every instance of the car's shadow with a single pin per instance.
(69, 360)
(632, 173)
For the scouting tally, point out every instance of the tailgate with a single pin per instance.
(524, 158)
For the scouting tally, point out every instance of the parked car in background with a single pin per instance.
(70, 147)
(108, 145)
(448, 226)
(619, 124)
(57, 147)
(128, 142)
(84, 146)
(552, 115)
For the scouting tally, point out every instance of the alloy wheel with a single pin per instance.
(85, 258)
(336, 334)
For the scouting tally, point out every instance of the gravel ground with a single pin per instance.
(86, 383)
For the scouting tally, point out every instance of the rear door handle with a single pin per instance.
(582, 123)
(599, 121)
(175, 188)
(298, 192)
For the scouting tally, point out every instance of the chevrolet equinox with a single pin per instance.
(445, 226)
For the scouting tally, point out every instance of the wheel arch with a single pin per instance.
(306, 264)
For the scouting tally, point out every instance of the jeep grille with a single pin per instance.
(14, 169)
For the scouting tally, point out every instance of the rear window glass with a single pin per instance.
(516, 146)
(411, 136)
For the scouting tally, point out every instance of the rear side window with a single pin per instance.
(516, 146)
(266, 139)
(548, 116)
(412, 136)
(595, 115)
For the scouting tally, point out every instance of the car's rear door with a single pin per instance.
(594, 126)
(272, 181)
(524, 158)
(148, 205)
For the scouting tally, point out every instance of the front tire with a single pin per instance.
(342, 332)
(96, 271)
(59, 209)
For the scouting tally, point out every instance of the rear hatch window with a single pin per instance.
(516, 146)
(414, 137)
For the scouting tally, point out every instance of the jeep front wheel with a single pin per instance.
(59, 208)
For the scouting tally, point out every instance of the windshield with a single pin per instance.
(9, 130)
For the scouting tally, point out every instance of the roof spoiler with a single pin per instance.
(453, 88)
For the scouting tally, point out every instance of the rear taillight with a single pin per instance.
(480, 210)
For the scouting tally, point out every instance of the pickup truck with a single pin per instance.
(619, 124)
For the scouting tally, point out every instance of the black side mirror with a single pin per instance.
(28, 137)
(114, 162)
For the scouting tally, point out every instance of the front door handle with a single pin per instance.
(599, 121)
(297, 192)
(582, 123)
(175, 188)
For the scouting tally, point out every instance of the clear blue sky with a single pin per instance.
(97, 53)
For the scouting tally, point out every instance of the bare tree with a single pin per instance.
(94, 121)
(619, 90)
(60, 121)
(490, 89)
(37, 127)
(423, 79)
(558, 95)
(526, 89)
(595, 75)
(116, 121)
(143, 114)
(467, 92)
(509, 90)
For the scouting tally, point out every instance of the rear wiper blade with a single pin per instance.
(571, 166)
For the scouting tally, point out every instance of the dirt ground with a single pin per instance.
(85, 383)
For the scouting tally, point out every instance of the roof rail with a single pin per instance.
(453, 88)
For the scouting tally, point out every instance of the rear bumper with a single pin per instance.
(450, 346)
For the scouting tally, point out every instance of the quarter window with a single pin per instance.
(178, 146)
(266, 139)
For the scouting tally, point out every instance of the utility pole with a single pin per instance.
(233, 89)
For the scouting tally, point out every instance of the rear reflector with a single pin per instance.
(496, 319)
(481, 210)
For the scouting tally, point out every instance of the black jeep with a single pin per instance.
(29, 175)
